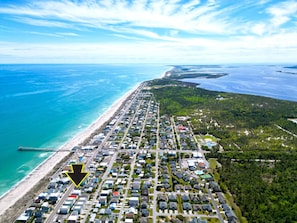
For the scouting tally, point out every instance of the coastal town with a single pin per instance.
(142, 167)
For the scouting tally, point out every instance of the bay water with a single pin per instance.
(275, 81)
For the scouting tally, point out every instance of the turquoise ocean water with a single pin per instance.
(46, 105)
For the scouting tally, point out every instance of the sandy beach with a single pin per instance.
(24, 186)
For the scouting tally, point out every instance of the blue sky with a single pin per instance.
(152, 31)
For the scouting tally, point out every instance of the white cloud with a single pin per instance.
(68, 34)
(282, 12)
(274, 48)
(259, 29)
(46, 34)
(158, 30)
(173, 32)
(42, 22)
(127, 37)
(192, 17)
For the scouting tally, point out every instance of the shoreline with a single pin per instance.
(22, 188)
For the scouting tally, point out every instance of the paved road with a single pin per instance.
(128, 185)
(120, 216)
(53, 214)
(107, 171)
(281, 128)
(157, 168)
(176, 138)
(187, 215)
(215, 205)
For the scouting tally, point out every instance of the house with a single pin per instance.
(206, 177)
(197, 220)
(116, 194)
(38, 220)
(114, 200)
(109, 183)
(144, 212)
(166, 185)
(112, 206)
(102, 211)
(186, 178)
(162, 197)
(38, 214)
(144, 205)
(108, 211)
(207, 207)
(221, 198)
(195, 199)
(179, 187)
(76, 192)
(185, 197)
(130, 215)
(110, 219)
(103, 200)
(52, 185)
(64, 210)
(92, 218)
(226, 207)
(73, 219)
(147, 184)
(197, 187)
(204, 198)
(143, 220)
(164, 181)
(53, 197)
(78, 209)
(231, 216)
(23, 218)
(172, 206)
(172, 197)
(145, 198)
(165, 176)
(215, 187)
(188, 187)
(162, 205)
(104, 193)
(132, 210)
(45, 207)
(133, 201)
(196, 207)
(42, 196)
(136, 185)
(187, 206)
(144, 192)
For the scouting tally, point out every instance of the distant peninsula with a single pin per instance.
(292, 67)
(286, 72)
(192, 71)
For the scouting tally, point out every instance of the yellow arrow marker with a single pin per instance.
(77, 176)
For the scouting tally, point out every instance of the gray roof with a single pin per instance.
(187, 206)
(172, 205)
(163, 205)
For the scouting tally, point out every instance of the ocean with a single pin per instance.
(262, 80)
(44, 106)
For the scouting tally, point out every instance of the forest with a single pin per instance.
(258, 153)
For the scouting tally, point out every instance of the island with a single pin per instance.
(192, 71)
